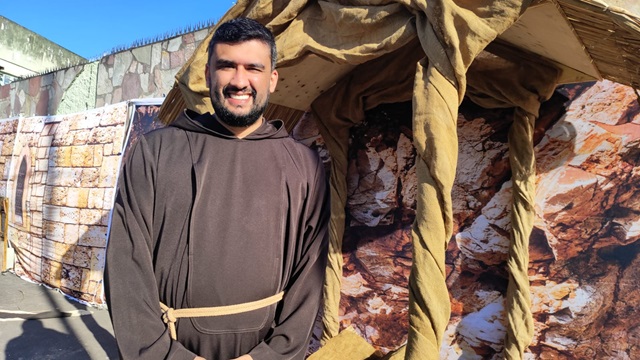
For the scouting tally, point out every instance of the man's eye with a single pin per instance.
(225, 65)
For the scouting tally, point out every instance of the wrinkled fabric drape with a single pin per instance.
(337, 110)
(381, 37)
(451, 36)
(347, 345)
(504, 80)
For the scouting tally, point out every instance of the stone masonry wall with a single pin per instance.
(71, 89)
(143, 72)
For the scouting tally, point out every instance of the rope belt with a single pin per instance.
(171, 315)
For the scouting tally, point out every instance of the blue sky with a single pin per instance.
(90, 29)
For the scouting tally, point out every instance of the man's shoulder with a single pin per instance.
(161, 134)
(301, 150)
(160, 141)
(181, 124)
(306, 160)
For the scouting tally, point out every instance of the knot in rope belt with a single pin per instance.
(171, 315)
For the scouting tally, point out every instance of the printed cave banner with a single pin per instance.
(144, 118)
(584, 266)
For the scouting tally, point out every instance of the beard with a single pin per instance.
(235, 120)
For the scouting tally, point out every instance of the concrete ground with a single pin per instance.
(40, 323)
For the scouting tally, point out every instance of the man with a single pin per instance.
(217, 211)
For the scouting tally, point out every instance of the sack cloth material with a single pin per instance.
(401, 50)
(508, 79)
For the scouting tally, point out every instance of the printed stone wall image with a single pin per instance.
(584, 251)
(8, 129)
(61, 188)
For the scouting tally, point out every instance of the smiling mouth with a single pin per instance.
(240, 96)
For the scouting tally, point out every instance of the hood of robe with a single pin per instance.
(208, 124)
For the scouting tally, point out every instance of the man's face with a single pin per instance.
(240, 80)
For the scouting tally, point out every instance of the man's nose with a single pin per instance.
(240, 78)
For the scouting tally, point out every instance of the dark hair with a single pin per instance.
(240, 30)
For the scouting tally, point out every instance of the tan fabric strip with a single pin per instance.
(523, 81)
(171, 315)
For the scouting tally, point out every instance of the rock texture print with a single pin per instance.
(584, 263)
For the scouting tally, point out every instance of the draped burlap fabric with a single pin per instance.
(508, 79)
(404, 49)
(346, 103)
(347, 345)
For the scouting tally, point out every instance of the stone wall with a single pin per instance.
(64, 91)
(142, 72)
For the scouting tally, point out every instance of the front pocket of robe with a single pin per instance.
(236, 323)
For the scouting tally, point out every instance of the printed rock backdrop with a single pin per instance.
(584, 265)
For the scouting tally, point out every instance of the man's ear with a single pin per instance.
(274, 81)
(206, 75)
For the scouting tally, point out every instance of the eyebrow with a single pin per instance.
(222, 62)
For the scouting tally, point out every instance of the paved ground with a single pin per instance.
(39, 323)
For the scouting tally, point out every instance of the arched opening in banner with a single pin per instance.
(20, 190)
(20, 200)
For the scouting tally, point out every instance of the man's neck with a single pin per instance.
(242, 131)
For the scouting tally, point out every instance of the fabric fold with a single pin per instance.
(506, 79)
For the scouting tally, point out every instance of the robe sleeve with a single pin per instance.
(296, 313)
(130, 285)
